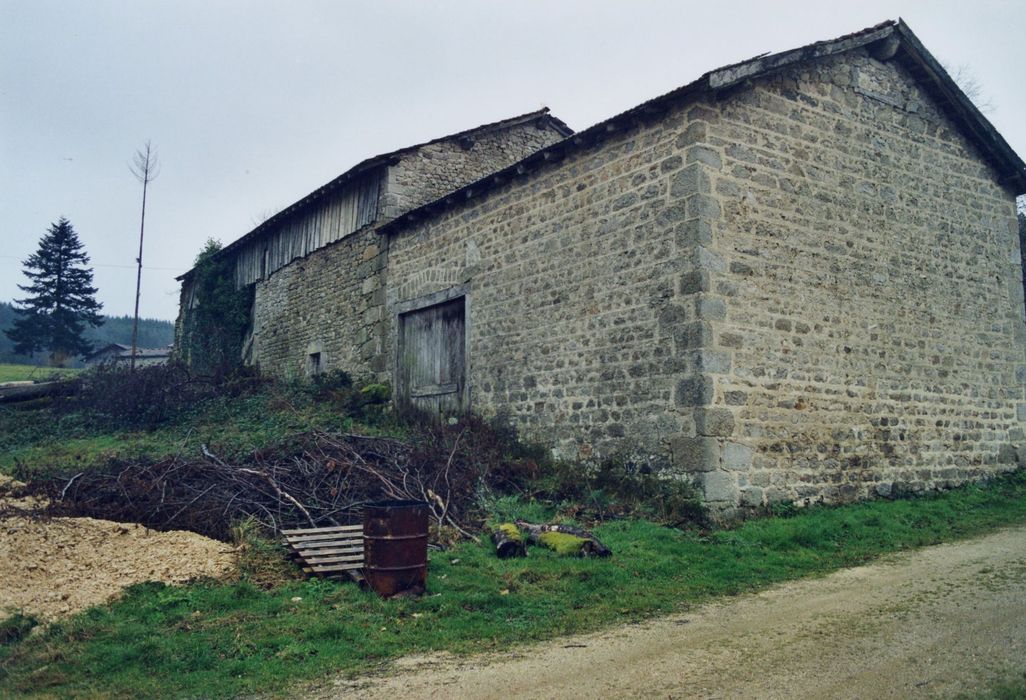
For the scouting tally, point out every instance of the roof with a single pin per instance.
(151, 352)
(126, 350)
(107, 348)
(391, 158)
(888, 39)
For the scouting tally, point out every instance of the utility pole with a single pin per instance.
(144, 167)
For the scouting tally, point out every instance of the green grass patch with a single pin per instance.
(222, 640)
(15, 628)
(20, 373)
(35, 441)
(1007, 689)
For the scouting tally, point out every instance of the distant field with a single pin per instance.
(17, 373)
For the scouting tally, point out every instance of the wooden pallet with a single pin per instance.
(331, 552)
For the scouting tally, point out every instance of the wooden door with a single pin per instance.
(432, 358)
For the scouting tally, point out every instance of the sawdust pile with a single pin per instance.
(58, 566)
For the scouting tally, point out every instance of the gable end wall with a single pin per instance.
(872, 336)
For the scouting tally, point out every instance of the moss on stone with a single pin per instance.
(562, 543)
(511, 531)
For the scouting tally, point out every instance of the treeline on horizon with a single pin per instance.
(153, 333)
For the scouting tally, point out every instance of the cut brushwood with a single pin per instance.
(564, 539)
(509, 541)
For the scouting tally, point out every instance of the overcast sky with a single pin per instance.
(253, 104)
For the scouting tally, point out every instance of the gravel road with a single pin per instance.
(936, 622)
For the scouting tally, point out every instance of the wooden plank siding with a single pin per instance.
(332, 218)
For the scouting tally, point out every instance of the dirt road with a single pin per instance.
(932, 623)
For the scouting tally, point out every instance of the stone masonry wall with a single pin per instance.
(578, 329)
(438, 168)
(865, 311)
(331, 302)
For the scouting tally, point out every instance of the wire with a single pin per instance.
(127, 267)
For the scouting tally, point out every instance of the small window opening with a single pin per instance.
(313, 364)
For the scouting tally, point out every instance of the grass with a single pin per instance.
(1013, 688)
(226, 639)
(18, 373)
(33, 441)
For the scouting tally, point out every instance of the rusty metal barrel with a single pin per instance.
(395, 535)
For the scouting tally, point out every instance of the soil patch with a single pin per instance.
(58, 566)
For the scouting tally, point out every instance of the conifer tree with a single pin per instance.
(61, 298)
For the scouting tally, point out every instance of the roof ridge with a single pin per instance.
(544, 113)
(895, 33)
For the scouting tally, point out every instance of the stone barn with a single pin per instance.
(795, 278)
(317, 266)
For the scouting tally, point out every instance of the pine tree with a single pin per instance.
(61, 298)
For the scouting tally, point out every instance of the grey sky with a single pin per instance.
(253, 104)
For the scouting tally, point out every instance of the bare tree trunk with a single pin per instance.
(144, 168)
(509, 542)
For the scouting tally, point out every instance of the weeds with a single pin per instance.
(154, 446)
(116, 397)
(261, 561)
(617, 487)
(16, 627)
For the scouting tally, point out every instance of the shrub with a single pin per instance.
(16, 627)
(216, 316)
(620, 485)
(117, 397)
(261, 561)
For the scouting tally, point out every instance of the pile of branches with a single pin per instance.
(325, 482)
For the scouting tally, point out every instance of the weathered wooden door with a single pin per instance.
(432, 358)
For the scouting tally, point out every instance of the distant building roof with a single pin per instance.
(117, 350)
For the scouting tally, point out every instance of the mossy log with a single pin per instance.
(509, 542)
(564, 539)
